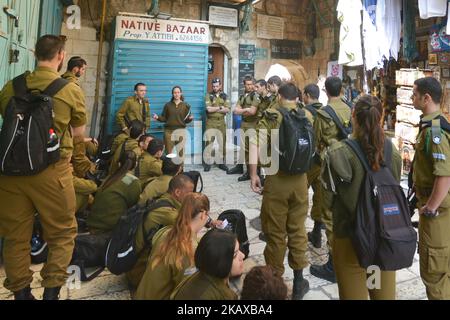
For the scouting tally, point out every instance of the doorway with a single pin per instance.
(216, 66)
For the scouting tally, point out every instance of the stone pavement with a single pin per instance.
(226, 193)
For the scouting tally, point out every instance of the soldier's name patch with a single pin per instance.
(439, 156)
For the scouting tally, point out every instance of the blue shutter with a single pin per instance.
(51, 17)
(161, 66)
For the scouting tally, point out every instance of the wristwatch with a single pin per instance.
(430, 213)
(220, 108)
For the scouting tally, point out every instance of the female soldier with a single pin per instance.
(117, 194)
(218, 259)
(173, 255)
(349, 173)
(176, 114)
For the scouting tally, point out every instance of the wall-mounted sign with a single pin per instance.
(270, 27)
(74, 20)
(336, 70)
(223, 16)
(137, 28)
(246, 63)
(261, 54)
(286, 49)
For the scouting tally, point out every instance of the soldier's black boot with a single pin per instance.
(315, 236)
(300, 286)
(223, 167)
(239, 169)
(24, 294)
(207, 167)
(244, 177)
(325, 271)
(51, 293)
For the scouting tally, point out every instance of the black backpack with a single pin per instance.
(344, 131)
(383, 234)
(28, 142)
(121, 254)
(236, 224)
(196, 177)
(296, 142)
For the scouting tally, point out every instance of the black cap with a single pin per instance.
(216, 80)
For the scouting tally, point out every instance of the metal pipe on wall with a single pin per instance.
(99, 72)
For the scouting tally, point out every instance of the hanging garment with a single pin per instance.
(388, 19)
(371, 8)
(372, 52)
(349, 15)
(432, 8)
(410, 51)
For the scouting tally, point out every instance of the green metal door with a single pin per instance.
(17, 42)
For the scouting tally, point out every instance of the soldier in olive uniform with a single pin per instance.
(326, 133)
(264, 95)
(273, 85)
(176, 115)
(135, 108)
(348, 173)
(150, 163)
(312, 104)
(156, 187)
(285, 201)
(217, 107)
(179, 187)
(51, 192)
(431, 176)
(130, 144)
(82, 165)
(247, 107)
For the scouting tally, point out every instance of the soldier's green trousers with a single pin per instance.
(314, 182)
(283, 214)
(50, 194)
(245, 138)
(327, 218)
(170, 145)
(210, 138)
(353, 280)
(434, 251)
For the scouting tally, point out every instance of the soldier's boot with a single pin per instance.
(223, 167)
(239, 169)
(207, 167)
(24, 294)
(51, 293)
(262, 236)
(300, 286)
(245, 176)
(315, 236)
(325, 271)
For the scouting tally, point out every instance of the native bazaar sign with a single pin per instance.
(137, 28)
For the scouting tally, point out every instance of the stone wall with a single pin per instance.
(296, 13)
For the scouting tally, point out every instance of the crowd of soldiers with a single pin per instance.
(142, 168)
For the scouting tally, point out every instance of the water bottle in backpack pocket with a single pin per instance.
(236, 225)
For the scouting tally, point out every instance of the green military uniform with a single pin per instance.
(148, 167)
(165, 216)
(118, 140)
(81, 163)
(326, 133)
(348, 175)
(264, 105)
(128, 145)
(314, 176)
(50, 193)
(201, 286)
(112, 203)
(216, 121)
(83, 189)
(155, 188)
(133, 109)
(175, 117)
(159, 282)
(247, 101)
(284, 207)
(433, 160)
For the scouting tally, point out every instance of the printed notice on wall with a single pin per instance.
(137, 28)
(224, 17)
(270, 27)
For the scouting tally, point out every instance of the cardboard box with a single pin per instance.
(407, 113)
(406, 132)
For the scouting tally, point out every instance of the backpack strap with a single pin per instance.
(20, 85)
(147, 235)
(354, 145)
(311, 109)
(343, 132)
(55, 87)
